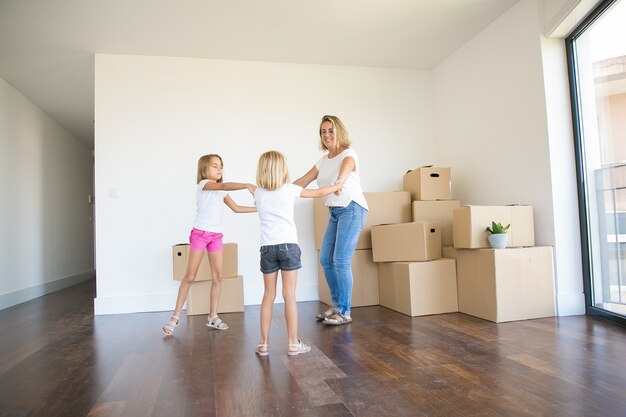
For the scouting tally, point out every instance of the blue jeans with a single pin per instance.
(340, 239)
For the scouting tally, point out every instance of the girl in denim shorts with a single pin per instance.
(206, 235)
(275, 198)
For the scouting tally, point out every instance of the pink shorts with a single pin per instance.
(209, 241)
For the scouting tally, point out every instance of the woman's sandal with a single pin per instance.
(216, 323)
(263, 349)
(298, 348)
(168, 328)
(338, 320)
(326, 314)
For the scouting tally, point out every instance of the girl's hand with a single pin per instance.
(251, 188)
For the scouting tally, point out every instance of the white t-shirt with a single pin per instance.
(276, 210)
(209, 209)
(329, 171)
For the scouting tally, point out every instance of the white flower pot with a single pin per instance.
(498, 240)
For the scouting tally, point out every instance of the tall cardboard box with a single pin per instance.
(231, 297)
(428, 183)
(384, 207)
(418, 288)
(469, 225)
(414, 241)
(365, 280)
(504, 284)
(180, 258)
(437, 211)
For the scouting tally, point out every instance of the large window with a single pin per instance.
(597, 60)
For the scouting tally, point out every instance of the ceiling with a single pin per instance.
(47, 47)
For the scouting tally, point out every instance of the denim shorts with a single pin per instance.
(285, 257)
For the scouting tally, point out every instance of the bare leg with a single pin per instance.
(195, 257)
(267, 305)
(291, 309)
(216, 259)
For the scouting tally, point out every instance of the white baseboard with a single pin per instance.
(572, 304)
(165, 302)
(26, 294)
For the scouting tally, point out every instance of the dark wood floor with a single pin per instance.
(57, 359)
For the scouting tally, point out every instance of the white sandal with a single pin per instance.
(298, 348)
(263, 349)
(216, 323)
(168, 328)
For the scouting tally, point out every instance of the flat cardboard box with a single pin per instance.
(365, 280)
(384, 207)
(469, 224)
(418, 288)
(180, 256)
(437, 211)
(414, 241)
(231, 297)
(428, 183)
(504, 284)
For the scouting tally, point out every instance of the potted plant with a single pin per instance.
(498, 236)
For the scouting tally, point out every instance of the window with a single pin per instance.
(597, 64)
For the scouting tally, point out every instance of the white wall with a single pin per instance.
(492, 129)
(155, 116)
(46, 235)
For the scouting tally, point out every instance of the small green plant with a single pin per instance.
(497, 228)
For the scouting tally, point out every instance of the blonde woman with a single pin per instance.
(348, 212)
(275, 198)
(206, 235)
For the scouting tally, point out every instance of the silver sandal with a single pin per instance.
(216, 323)
(324, 315)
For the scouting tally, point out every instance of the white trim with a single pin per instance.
(26, 294)
(572, 304)
(165, 302)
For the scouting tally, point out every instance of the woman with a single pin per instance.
(348, 211)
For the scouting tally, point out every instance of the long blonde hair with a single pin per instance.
(203, 167)
(272, 172)
(341, 133)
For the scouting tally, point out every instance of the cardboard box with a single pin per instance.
(365, 280)
(384, 207)
(469, 225)
(415, 241)
(504, 284)
(231, 296)
(418, 288)
(428, 183)
(180, 255)
(437, 211)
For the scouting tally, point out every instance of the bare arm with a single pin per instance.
(347, 166)
(225, 186)
(307, 178)
(236, 207)
(321, 192)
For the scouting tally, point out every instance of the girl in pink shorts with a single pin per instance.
(206, 235)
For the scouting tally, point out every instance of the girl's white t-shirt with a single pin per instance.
(276, 214)
(209, 209)
(329, 171)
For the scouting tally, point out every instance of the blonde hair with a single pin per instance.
(272, 172)
(203, 167)
(341, 133)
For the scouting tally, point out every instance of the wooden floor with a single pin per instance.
(57, 359)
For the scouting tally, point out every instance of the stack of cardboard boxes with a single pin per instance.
(514, 283)
(433, 256)
(198, 301)
(413, 277)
